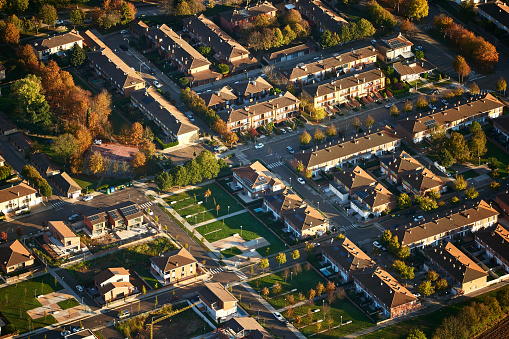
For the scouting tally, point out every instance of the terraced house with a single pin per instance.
(256, 180)
(57, 44)
(238, 18)
(281, 201)
(324, 17)
(352, 151)
(397, 165)
(271, 109)
(331, 92)
(336, 65)
(372, 201)
(348, 181)
(305, 222)
(447, 226)
(455, 116)
(422, 182)
(19, 197)
(495, 242)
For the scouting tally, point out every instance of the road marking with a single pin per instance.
(216, 270)
(240, 274)
(379, 227)
(275, 164)
(349, 227)
(58, 205)
(145, 205)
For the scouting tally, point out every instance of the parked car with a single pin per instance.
(434, 91)
(258, 146)
(278, 316)
(124, 31)
(151, 71)
(301, 181)
(418, 218)
(190, 117)
(88, 198)
(74, 217)
(283, 130)
(445, 102)
(157, 84)
(60, 22)
(64, 333)
(124, 48)
(290, 150)
(79, 288)
(124, 314)
(389, 105)
(431, 106)
(173, 298)
(98, 142)
(289, 129)
(373, 41)
(377, 244)
(77, 329)
(149, 211)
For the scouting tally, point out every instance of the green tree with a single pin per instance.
(385, 238)
(180, 176)
(77, 17)
(304, 138)
(264, 263)
(18, 6)
(345, 34)
(365, 28)
(318, 136)
(445, 158)
(208, 164)
(471, 193)
(65, 146)
(193, 171)
(280, 258)
(331, 131)
(394, 112)
(183, 9)
(416, 334)
(460, 183)
(127, 12)
(393, 246)
(458, 147)
(31, 102)
(45, 188)
(48, 14)
(295, 254)
(408, 273)
(279, 39)
(404, 201)
(417, 9)
(328, 40)
(426, 288)
(403, 252)
(77, 55)
(223, 69)
(164, 181)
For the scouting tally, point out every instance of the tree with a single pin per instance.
(31, 102)
(264, 263)
(276, 289)
(445, 158)
(408, 273)
(223, 69)
(385, 238)
(426, 288)
(308, 173)
(331, 131)
(416, 334)
(474, 89)
(136, 133)
(471, 193)
(76, 17)
(460, 183)
(403, 252)
(280, 258)
(77, 55)
(458, 147)
(231, 138)
(394, 112)
(408, 106)
(461, 67)
(48, 14)
(320, 288)
(318, 136)
(311, 294)
(364, 28)
(193, 171)
(501, 85)
(441, 22)
(65, 145)
(127, 12)
(292, 17)
(148, 148)
(408, 27)
(207, 194)
(356, 123)
(393, 245)
(295, 254)
(183, 9)
(304, 138)
(369, 121)
(138, 161)
(180, 177)
(208, 164)
(10, 33)
(327, 39)
(477, 144)
(417, 9)
(432, 275)
(404, 201)
(164, 181)
(265, 292)
(17, 6)
(96, 163)
(421, 102)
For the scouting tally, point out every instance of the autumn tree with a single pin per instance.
(96, 163)
(408, 27)
(280, 258)
(48, 14)
(318, 135)
(458, 147)
(474, 89)
(264, 263)
(76, 17)
(478, 141)
(127, 12)
(426, 288)
(471, 193)
(84, 139)
(461, 67)
(460, 183)
(404, 201)
(331, 131)
(356, 123)
(10, 33)
(295, 254)
(304, 138)
(136, 133)
(394, 112)
(138, 161)
(148, 148)
(369, 121)
(417, 9)
(65, 146)
(501, 85)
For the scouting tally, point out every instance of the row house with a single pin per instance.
(339, 64)
(239, 18)
(398, 165)
(171, 120)
(220, 99)
(290, 53)
(393, 48)
(256, 180)
(337, 91)
(422, 182)
(497, 12)
(44, 164)
(281, 201)
(447, 226)
(6, 125)
(46, 47)
(174, 266)
(345, 258)
(372, 201)
(457, 116)
(113, 283)
(502, 201)
(344, 183)
(461, 272)
(22, 142)
(124, 216)
(19, 197)
(62, 239)
(387, 294)
(501, 126)
(324, 17)
(273, 109)
(495, 242)
(353, 151)
(305, 222)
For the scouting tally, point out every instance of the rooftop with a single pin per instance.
(355, 178)
(256, 174)
(401, 162)
(284, 199)
(16, 192)
(304, 218)
(214, 292)
(14, 253)
(56, 41)
(62, 228)
(348, 255)
(173, 259)
(248, 12)
(497, 238)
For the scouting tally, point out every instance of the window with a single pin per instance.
(173, 274)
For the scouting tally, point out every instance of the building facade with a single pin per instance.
(174, 266)
(19, 197)
(495, 242)
(217, 301)
(256, 180)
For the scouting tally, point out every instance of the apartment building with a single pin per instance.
(324, 17)
(174, 266)
(113, 283)
(497, 12)
(393, 48)
(19, 197)
(238, 18)
(397, 165)
(281, 201)
(495, 242)
(256, 180)
(44, 48)
(372, 201)
(346, 182)
(305, 222)
(290, 53)
(218, 302)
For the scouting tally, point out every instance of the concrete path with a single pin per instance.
(218, 218)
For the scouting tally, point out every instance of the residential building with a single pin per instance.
(174, 266)
(305, 222)
(447, 226)
(413, 70)
(124, 216)
(290, 53)
(457, 116)
(501, 126)
(2, 71)
(354, 60)
(45, 47)
(422, 182)
(397, 165)
(243, 328)
(372, 200)
(256, 180)
(461, 272)
(251, 90)
(6, 126)
(61, 238)
(113, 283)
(44, 164)
(393, 48)
(2, 161)
(22, 142)
(324, 17)
(66, 185)
(138, 28)
(502, 200)
(354, 151)
(385, 292)
(172, 121)
(14, 256)
(218, 100)
(238, 18)
(217, 301)
(347, 181)
(92, 41)
(345, 258)
(83, 334)
(108, 65)
(495, 242)
(19, 197)
(497, 12)
(97, 224)
(273, 109)
(348, 87)
(281, 201)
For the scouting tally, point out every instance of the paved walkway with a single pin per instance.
(50, 305)
(218, 218)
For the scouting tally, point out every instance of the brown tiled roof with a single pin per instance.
(283, 200)
(139, 27)
(496, 11)
(92, 41)
(348, 255)
(44, 163)
(497, 238)
(382, 285)
(291, 50)
(218, 97)
(110, 273)
(66, 183)
(246, 88)
(347, 81)
(463, 111)
(323, 14)
(22, 140)
(14, 253)
(304, 218)
(401, 163)
(455, 262)
(414, 67)
(213, 292)
(355, 178)
(376, 195)
(173, 259)
(445, 223)
(15, 192)
(206, 75)
(249, 325)
(502, 122)
(256, 174)
(62, 228)
(347, 148)
(393, 42)
(423, 180)
(248, 12)
(6, 124)
(112, 285)
(56, 40)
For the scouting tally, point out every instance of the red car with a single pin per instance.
(174, 298)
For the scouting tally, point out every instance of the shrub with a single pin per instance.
(165, 146)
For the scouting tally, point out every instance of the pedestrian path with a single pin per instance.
(240, 274)
(275, 164)
(218, 218)
(349, 227)
(58, 205)
(216, 270)
(146, 205)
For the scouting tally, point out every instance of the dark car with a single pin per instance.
(173, 298)
(151, 71)
(123, 47)
(304, 147)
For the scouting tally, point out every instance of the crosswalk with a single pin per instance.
(349, 227)
(243, 158)
(379, 227)
(240, 274)
(146, 204)
(216, 270)
(58, 205)
(275, 164)
(237, 272)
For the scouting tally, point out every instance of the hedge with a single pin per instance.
(165, 146)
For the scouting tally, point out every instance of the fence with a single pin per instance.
(201, 315)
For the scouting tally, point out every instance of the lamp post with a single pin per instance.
(241, 231)
(341, 321)
(323, 305)
(290, 181)
(318, 204)
(291, 275)
(228, 210)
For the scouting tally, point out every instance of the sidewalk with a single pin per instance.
(191, 227)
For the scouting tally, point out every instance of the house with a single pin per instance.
(218, 100)
(447, 226)
(385, 292)
(124, 216)
(19, 197)
(251, 90)
(346, 182)
(305, 222)
(273, 109)
(108, 65)
(217, 301)
(172, 121)
(174, 266)
(453, 117)
(422, 182)
(352, 151)
(92, 41)
(413, 70)
(397, 165)
(501, 126)
(243, 328)
(6, 126)
(2, 161)
(281, 201)
(238, 18)
(502, 200)
(495, 242)
(336, 91)
(97, 224)
(61, 238)
(66, 185)
(324, 17)
(256, 180)
(372, 201)
(113, 283)
(345, 258)
(354, 60)
(290, 53)
(393, 48)
(496, 12)
(461, 272)
(45, 47)
(83, 334)
(22, 142)
(44, 164)
(14, 256)
(2, 71)
(138, 28)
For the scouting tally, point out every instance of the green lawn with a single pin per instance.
(251, 229)
(116, 121)
(231, 252)
(469, 174)
(69, 303)
(276, 226)
(85, 182)
(303, 282)
(500, 155)
(134, 257)
(16, 299)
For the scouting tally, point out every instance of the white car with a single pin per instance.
(377, 244)
(283, 130)
(124, 314)
(79, 288)
(431, 106)
(258, 146)
(420, 217)
(278, 316)
(98, 142)
(88, 198)
(64, 333)
(373, 41)
(445, 102)
(77, 329)
(389, 105)
(157, 84)
(301, 181)
(149, 211)
(290, 150)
